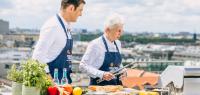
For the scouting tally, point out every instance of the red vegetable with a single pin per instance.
(52, 90)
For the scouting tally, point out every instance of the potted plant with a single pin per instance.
(15, 75)
(34, 77)
(47, 84)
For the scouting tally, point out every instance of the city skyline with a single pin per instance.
(140, 15)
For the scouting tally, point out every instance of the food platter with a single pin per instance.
(116, 90)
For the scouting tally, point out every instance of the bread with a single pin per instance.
(108, 88)
(120, 93)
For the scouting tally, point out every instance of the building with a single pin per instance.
(4, 27)
(10, 56)
(1, 37)
(164, 52)
(194, 36)
(20, 40)
(21, 37)
(187, 53)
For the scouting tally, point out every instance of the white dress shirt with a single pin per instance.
(51, 41)
(94, 56)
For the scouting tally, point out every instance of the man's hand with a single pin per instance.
(108, 76)
(124, 74)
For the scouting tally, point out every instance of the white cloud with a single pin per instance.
(194, 4)
(140, 15)
(29, 13)
(5, 4)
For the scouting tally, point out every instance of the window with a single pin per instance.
(7, 66)
(15, 59)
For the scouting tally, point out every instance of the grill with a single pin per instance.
(181, 80)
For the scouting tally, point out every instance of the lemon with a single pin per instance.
(153, 93)
(77, 91)
(142, 93)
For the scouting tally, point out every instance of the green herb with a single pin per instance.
(34, 74)
(15, 74)
(31, 74)
(47, 83)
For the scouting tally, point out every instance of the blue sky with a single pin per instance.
(140, 15)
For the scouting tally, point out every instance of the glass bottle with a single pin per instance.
(55, 79)
(64, 79)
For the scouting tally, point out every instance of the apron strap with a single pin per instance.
(62, 24)
(116, 46)
(106, 46)
(104, 41)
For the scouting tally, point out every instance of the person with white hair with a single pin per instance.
(102, 56)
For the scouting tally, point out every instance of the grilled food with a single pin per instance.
(108, 88)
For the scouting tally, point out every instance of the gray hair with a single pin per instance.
(113, 21)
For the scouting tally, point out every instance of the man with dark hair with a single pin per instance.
(55, 43)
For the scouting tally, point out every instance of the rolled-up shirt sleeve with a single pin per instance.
(92, 61)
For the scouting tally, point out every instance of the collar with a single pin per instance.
(107, 41)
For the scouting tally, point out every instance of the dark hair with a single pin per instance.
(66, 3)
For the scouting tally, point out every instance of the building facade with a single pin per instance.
(4, 27)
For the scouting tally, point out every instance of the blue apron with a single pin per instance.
(63, 60)
(111, 63)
